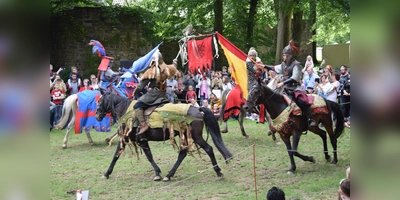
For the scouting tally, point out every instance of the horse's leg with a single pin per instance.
(198, 139)
(181, 156)
(241, 118)
(295, 143)
(65, 141)
(271, 132)
(146, 149)
(89, 137)
(286, 140)
(110, 169)
(225, 130)
(322, 134)
(327, 122)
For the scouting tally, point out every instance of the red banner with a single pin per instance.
(200, 55)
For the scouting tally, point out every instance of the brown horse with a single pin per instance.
(275, 104)
(110, 102)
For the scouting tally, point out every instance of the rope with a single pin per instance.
(196, 174)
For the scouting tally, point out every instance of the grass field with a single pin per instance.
(81, 166)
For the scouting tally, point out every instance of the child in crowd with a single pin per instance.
(190, 94)
(58, 96)
(216, 110)
(85, 86)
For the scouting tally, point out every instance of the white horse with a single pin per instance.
(71, 105)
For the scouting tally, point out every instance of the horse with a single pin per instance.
(69, 110)
(110, 102)
(276, 104)
(242, 114)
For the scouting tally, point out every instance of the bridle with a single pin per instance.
(103, 111)
(260, 94)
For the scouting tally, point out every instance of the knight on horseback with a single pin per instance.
(154, 78)
(291, 70)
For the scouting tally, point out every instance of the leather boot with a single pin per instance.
(307, 112)
(143, 125)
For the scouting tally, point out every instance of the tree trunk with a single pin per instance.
(218, 26)
(251, 23)
(313, 19)
(297, 31)
(284, 25)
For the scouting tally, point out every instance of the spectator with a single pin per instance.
(325, 89)
(74, 84)
(216, 85)
(93, 82)
(85, 86)
(204, 85)
(309, 81)
(226, 83)
(214, 100)
(189, 80)
(194, 103)
(62, 85)
(309, 62)
(205, 104)
(328, 72)
(53, 74)
(216, 110)
(344, 189)
(336, 83)
(224, 72)
(344, 93)
(190, 94)
(58, 96)
(172, 85)
(275, 194)
(180, 92)
(75, 70)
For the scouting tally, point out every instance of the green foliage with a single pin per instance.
(333, 22)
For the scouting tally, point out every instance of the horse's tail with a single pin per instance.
(223, 98)
(69, 105)
(339, 118)
(213, 127)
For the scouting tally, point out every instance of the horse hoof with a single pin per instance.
(104, 176)
(157, 178)
(64, 146)
(165, 179)
(224, 131)
(221, 176)
(247, 136)
(269, 133)
(312, 159)
(277, 143)
(329, 159)
(290, 172)
(333, 164)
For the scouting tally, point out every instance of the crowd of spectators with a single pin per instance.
(207, 88)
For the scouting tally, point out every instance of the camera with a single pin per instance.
(317, 80)
(59, 79)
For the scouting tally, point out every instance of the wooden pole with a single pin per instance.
(254, 166)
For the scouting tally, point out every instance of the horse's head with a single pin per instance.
(253, 98)
(103, 105)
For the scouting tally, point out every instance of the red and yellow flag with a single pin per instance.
(237, 61)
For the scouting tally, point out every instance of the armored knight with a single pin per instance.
(291, 70)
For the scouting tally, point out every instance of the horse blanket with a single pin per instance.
(86, 113)
(234, 100)
(171, 116)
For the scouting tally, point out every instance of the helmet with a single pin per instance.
(290, 50)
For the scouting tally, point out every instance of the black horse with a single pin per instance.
(110, 102)
(275, 105)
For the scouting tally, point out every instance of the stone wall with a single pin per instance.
(124, 37)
